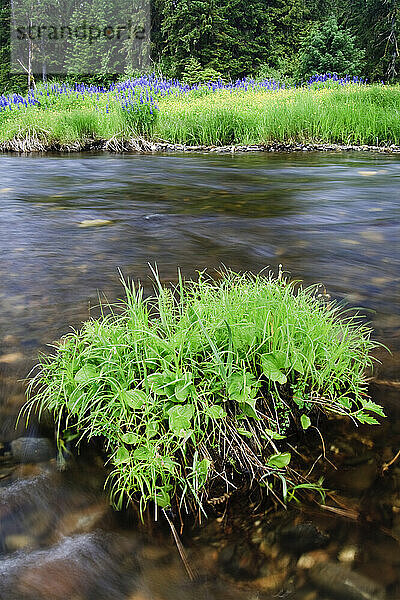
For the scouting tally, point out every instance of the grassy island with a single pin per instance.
(198, 391)
(325, 110)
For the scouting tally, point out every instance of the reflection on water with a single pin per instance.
(68, 223)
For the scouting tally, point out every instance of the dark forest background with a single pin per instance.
(199, 40)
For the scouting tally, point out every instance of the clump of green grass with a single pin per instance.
(198, 388)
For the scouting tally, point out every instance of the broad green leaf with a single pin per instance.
(203, 466)
(242, 386)
(86, 373)
(143, 453)
(281, 359)
(279, 461)
(249, 408)
(74, 397)
(156, 382)
(244, 335)
(235, 385)
(130, 438)
(181, 390)
(159, 382)
(271, 369)
(215, 412)
(163, 499)
(274, 434)
(133, 398)
(151, 429)
(244, 432)
(297, 365)
(305, 421)
(123, 455)
(166, 463)
(180, 417)
(185, 434)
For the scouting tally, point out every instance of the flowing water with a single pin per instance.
(67, 224)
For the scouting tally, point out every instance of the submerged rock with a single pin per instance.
(30, 450)
(344, 584)
(11, 358)
(83, 520)
(239, 561)
(358, 479)
(94, 223)
(302, 538)
(97, 565)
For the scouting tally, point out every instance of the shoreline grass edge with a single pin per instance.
(151, 114)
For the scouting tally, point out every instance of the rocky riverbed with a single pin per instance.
(60, 539)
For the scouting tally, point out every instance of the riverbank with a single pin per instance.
(141, 145)
(151, 114)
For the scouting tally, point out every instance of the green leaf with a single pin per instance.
(163, 498)
(215, 412)
(166, 463)
(151, 429)
(297, 365)
(249, 408)
(180, 417)
(133, 398)
(279, 461)
(281, 359)
(346, 402)
(305, 421)
(181, 390)
(122, 455)
(242, 386)
(271, 369)
(202, 467)
(244, 432)
(365, 418)
(86, 374)
(376, 408)
(130, 438)
(274, 434)
(144, 453)
(159, 382)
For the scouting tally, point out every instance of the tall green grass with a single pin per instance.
(200, 388)
(351, 114)
(343, 115)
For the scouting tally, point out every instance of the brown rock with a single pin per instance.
(82, 521)
(309, 559)
(18, 542)
(386, 550)
(52, 581)
(270, 583)
(11, 358)
(358, 479)
(385, 574)
(342, 583)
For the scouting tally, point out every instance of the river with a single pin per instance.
(67, 224)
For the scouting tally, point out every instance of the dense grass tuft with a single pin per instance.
(199, 388)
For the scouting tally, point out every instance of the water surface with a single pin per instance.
(330, 218)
